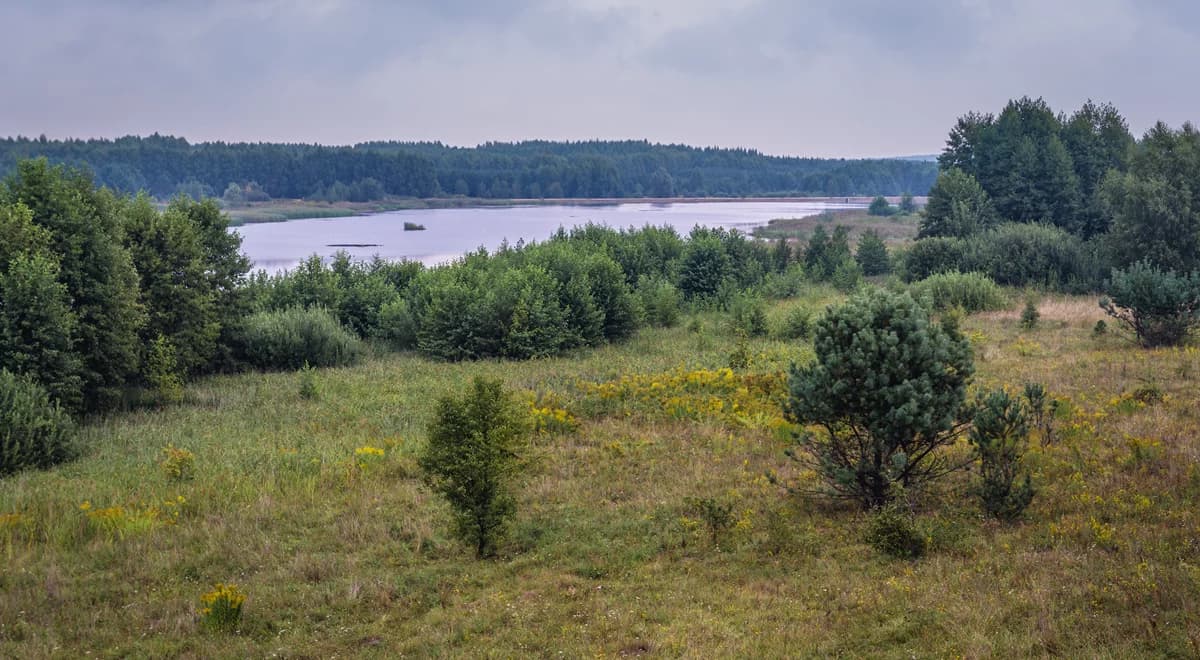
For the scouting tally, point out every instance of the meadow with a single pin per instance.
(315, 508)
(893, 229)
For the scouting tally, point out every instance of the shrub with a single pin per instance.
(847, 277)
(797, 324)
(660, 300)
(1100, 329)
(1016, 254)
(999, 433)
(290, 338)
(1042, 409)
(886, 390)
(879, 206)
(788, 284)
(472, 459)
(930, 256)
(162, 371)
(717, 516)
(872, 254)
(973, 292)
(35, 432)
(308, 382)
(892, 531)
(397, 325)
(221, 608)
(1030, 315)
(1161, 307)
(177, 464)
(748, 315)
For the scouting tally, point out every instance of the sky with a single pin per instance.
(832, 78)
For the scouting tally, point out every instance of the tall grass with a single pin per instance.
(344, 552)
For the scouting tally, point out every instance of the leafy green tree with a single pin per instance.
(958, 207)
(879, 206)
(907, 205)
(1159, 306)
(1098, 139)
(84, 225)
(472, 459)
(225, 271)
(781, 255)
(1154, 209)
(179, 303)
(37, 327)
(872, 255)
(886, 393)
(705, 266)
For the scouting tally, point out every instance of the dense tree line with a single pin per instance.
(1123, 200)
(90, 281)
(165, 166)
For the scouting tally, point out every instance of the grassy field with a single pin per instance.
(345, 553)
(894, 230)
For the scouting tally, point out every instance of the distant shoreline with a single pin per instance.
(282, 210)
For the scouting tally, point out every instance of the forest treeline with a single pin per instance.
(1060, 200)
(166, 166)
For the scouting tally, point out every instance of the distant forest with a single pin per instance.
(166, 166)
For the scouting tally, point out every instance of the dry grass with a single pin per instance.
(606, 556)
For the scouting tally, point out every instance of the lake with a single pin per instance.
(449, 233)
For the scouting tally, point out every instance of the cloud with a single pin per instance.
(818, 77)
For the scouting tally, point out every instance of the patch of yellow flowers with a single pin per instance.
(745, 400)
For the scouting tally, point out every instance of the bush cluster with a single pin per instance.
(35, 432)
(1011, 255)
(294, 337)
(972, 292)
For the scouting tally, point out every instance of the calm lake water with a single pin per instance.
(449, 233)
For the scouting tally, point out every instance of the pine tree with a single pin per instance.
(887, 388)
(872, 255)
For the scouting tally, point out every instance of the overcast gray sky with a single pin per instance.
(800, 77)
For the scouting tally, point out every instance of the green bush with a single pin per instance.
(1030, 315)
(796, 324)
(661, 301)
(886, 389)
(892, 531)
(999, 434)
(930, 256)
(872, 254)
(847, 277)
(973, 292)
(1161, 307)
(1016, 254)
(397, 325)
(472, 460)
(880, 206)
(35, 432)
(162, 371)
(748, 315)
(290, 338)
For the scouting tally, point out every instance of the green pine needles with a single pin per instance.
(884, 395)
